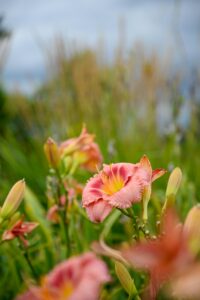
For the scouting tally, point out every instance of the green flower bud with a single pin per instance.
(173, 185)
(52, 153)
(125, 279)
(13, 200)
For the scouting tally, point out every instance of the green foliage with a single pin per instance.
(118, 101)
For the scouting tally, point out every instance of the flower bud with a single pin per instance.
(172, 187)
(66, 164)
(15, 217)
(145, 200)
(8, 223)
(52, 153)
(13, 200)
(125, 279)
(192, 228)
(192, 222)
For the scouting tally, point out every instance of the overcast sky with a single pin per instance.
(36, 22)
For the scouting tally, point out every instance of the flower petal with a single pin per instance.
(145, 163)
(131, 192)
(98, 211)
(143, 256)
(92, 191)
(157, 173)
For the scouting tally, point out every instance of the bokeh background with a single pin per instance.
(127, 69)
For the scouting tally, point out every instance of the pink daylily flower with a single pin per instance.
(163, 257)
(186, 285)
(78, 278)
(19, 229)
(84, 149)
(118, 185)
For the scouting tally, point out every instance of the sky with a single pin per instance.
(161, 24)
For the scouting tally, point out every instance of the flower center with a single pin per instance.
(60, 293)
(66, 291)
(112, 182)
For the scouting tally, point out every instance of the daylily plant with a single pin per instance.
(19, 229)
(81, 151)
(152, 252)
(118, 185)
(10, 219)
(79, 278)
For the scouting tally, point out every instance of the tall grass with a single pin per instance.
(132, 103)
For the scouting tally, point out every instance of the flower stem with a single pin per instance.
(26, 255)
(63, 218)
(65, 231)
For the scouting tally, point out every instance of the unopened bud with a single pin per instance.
(13, 200)
(192, 227)
(15, 217)
(125, 279)
(173, 185)
(66, 164)
(52, 153)
(145, 200)
(174, 182)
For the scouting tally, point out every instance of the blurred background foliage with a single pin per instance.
(134, 104)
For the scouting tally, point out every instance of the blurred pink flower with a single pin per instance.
(163, 257)
(186, 284)
(84, 150)
(117, 185)
(19, 229)
(74, 191)
(79, 278)
(52, 214)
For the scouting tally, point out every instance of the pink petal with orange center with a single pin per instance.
(82, 272)
(93, 190)
(120, 170)
(78, 278)
(131, 192)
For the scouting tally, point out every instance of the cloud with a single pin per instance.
(151, 22)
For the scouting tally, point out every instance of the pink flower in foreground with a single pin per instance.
(79, 278)
(164, 257)
(19, 229)
(186, 285)
(117, 185)
(84, 150)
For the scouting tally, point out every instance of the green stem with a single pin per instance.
(65, 231)
(80, 210)
(109, 223)
(63, 217)
(24, 251)
(135, 225)
(134, 297)
(125, 213)
(26, 255)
